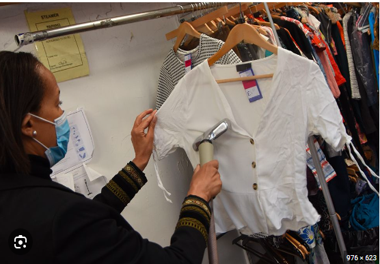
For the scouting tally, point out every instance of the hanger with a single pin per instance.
(296, 245)
(185, 29)
(276, 258)
(267, 24)
(201, 22)
(239, 33)
(229, 21)
(312, 8)
(296, 236)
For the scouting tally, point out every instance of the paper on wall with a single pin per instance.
(67, 180)
(81, 143)
(63, 56)
(79, 180)
(91, 173)
(72, 171)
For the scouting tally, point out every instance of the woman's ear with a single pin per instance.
(27, 128)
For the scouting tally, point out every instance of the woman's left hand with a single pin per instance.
(143, 143)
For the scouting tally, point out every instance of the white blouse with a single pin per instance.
(262, 158)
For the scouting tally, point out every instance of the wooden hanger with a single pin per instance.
(185, 29)
(297, 245)
(260, 30)
(229, 21)
(312, 8)
(201, 22)
(267, 24)
(239, 33)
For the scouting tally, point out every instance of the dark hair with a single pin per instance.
(21, 92)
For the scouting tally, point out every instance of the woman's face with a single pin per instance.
(50, 109)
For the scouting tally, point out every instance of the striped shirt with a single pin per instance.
(173, 68)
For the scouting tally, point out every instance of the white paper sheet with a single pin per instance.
(66, 179)
(79, 180)
(81, 144)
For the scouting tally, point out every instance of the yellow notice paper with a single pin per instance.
(63, 56)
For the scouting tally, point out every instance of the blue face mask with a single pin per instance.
(62, 130)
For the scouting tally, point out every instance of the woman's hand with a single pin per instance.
(206, 181)
(143, 143)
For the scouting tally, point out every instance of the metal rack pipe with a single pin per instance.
(30, 37)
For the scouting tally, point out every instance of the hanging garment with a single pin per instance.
(371, 19)
(325, 25)
(298, 34)
(355, 94)
(365, 213)
(262, 156)
(173, 68)
(344, 102)
(313, 21)
(341, 34)
(363, 63)
(221, 34)
(328, 171)
(287, 40)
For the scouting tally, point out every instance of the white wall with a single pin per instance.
(124, 66)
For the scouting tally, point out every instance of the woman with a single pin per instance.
(44, 222)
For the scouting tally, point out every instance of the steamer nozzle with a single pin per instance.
(213, 133)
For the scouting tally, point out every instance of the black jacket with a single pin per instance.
(66, 227)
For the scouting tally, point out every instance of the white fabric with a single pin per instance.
(313, 21)
(296, 103)
(351, 66)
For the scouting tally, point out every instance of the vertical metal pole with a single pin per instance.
(271, 23)
(326, 194)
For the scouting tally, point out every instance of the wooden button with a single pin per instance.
(253, 164)
(252, 141)
(254, 186)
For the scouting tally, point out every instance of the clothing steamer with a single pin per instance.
(206, 152)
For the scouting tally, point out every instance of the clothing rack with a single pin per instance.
(321, 175)
(30, 37)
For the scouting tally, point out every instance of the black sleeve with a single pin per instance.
(120, 190)
(85, 231)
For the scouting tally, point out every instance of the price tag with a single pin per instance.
(251, 88)
(187, 63)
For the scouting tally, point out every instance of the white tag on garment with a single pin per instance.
(251, 87)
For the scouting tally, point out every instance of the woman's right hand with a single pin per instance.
(206, 181)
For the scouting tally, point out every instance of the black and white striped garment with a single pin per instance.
(173, 68)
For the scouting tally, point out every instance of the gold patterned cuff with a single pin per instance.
(135, 174)
(194, 223)
(196, 209)
(193, 200)
(129, 180)
(118, 192)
